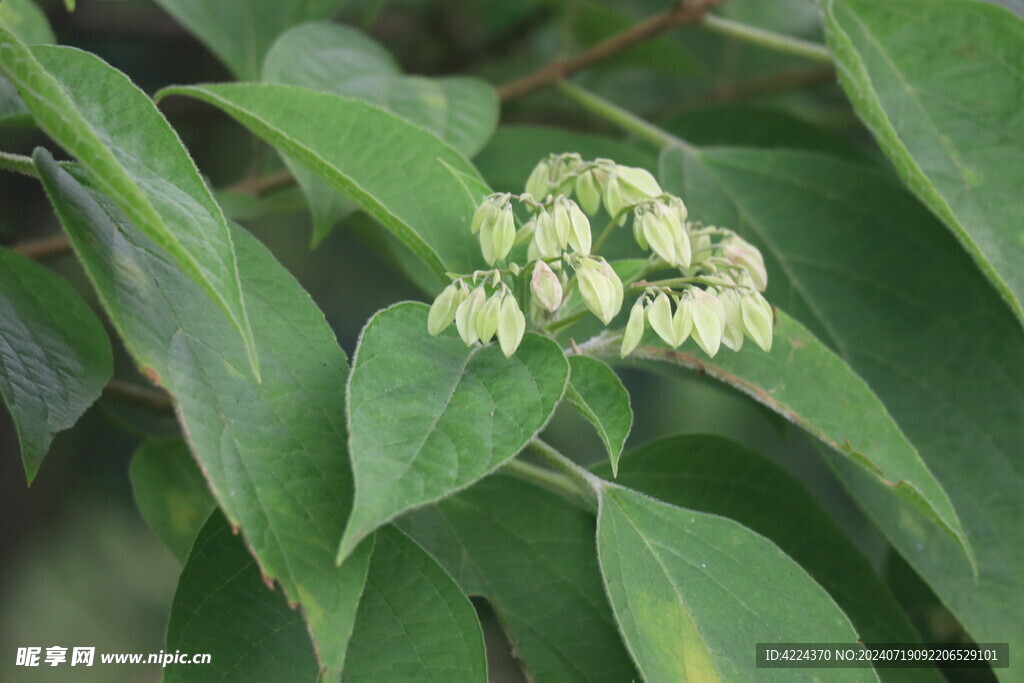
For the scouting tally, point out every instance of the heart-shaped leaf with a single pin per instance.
(428, 416)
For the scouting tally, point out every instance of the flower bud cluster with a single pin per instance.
(717, 301)
(479, 317)
(712, 317)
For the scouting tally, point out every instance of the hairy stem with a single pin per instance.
(155, 401)
(18, 164)
(583, 479)
(550, 480)
(767, 39)
(44, 247)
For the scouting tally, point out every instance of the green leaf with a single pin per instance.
(171, 493)
(414, 623)
(24, 19)
(808, 384)
(530, 553)
(13, 111)
(273, 451)
(755, 126)
(340, 139)
(223, 608)
(599, 396)
(240, 32)
(715, 475)
(693, 592)
(55, 357)
(339, 59)
(333, 58)
(905, 306)
(428, 416)
(135, 157)
(937, 84)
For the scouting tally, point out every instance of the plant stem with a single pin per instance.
(261, 185)
(767, 39)
(18, 163)
(553, 481)
(567, 321)
(44, 247)
(681, 13)
(586, 481)
(156, 401)
(619, 116)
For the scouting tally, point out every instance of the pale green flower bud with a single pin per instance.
(708, 321)
(511, 325)
(741, 253)
(501, 237)
(562, 179)
(757, 319)
(634, 329)
(732, 335)
(560, 216)
(677, 207)
(485, 213)
(546, 238)
(617, 288)
(684, 254)
(613, 199)
(601, 293)
(659, 314)
(547, 288)
(637, 184)
(465, 316)
(588, 191)
(442, 311)
(638, 229)
(486, 320)
(673, 329)
(540, 178)
(658, 233)
(682, 321)
(700, 249)
(525, 234)
(579, 229)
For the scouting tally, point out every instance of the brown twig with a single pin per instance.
(156, 401)
(261, 185)
(683, 13)
(44, 247)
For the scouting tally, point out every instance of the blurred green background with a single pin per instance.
(80, 567)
